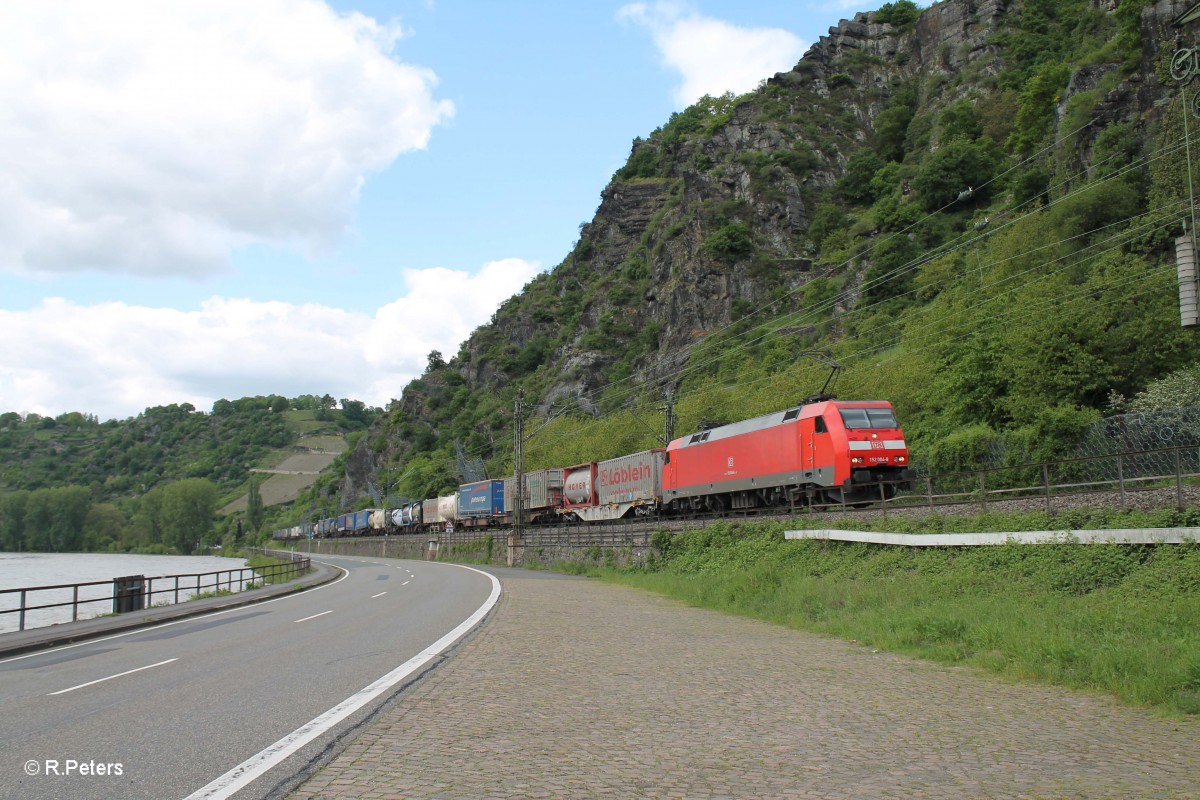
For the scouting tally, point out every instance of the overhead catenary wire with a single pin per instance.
(1139, 164)
(1012, 317)
(796, 317)
(1164, 220)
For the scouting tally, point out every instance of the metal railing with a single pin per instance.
(186, 586)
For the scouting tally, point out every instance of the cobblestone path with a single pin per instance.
(578, 689)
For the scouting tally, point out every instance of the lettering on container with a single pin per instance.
(617, 476)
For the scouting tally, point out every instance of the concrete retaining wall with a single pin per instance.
(591, 546)
(538, 550)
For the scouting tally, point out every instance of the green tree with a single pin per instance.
(55, 518)
(1077, 352)
(187, 513)
(959, 166)
(1030, 185)
(970, 385)
(102, 527)
(891, 126)
(902, 13)
(145, 529)
(828, 219)
(355, 411)
(1097, 206)
(12, 520)
(892, 273)
(1039, 98)
(254, 506)
(959, 120)
(855, 184)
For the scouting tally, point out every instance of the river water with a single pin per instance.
(24, 570)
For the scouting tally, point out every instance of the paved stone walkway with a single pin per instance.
(577, 689)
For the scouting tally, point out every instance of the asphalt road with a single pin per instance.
(167, 711)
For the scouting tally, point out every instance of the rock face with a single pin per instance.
(710, 218)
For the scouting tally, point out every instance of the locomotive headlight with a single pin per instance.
(900, 459)
(856, 460)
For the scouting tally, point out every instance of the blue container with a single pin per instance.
(482, 499)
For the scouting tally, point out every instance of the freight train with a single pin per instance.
(817, 453)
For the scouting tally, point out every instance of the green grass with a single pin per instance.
(206, 595)
(1120, 619)
(475, 552)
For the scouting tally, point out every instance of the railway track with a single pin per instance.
(639, 533)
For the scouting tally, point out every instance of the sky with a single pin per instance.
(208, 199)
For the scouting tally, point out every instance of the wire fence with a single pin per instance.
(1143, 432)
(1119, 476)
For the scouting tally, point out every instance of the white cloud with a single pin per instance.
(713, 56)
(152, 138)
(440, 311)
(114, 359)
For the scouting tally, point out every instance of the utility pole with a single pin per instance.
(515, 539)
(669, 409)
(1183, 69)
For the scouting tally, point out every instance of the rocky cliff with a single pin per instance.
(737, 204)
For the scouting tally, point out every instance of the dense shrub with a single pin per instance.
(891, 126)
(960, 166)
(902, 13)
(1039, 97)
(855, 184)
(963, 450)
(731, 240)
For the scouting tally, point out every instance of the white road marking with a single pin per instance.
(228, 784)
(406, 583)
(314, 616)
(110, 677)
(381, 594)
(303, 593)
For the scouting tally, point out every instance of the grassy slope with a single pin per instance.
(1124, 620)
(323, 448)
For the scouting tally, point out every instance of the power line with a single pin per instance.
(756, 334)
(1141, 163)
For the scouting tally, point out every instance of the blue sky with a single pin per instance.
(209, 198)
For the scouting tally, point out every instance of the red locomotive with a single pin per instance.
(823, 452)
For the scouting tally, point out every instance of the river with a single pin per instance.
(23, 570)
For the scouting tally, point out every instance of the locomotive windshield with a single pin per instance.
(868, 418)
